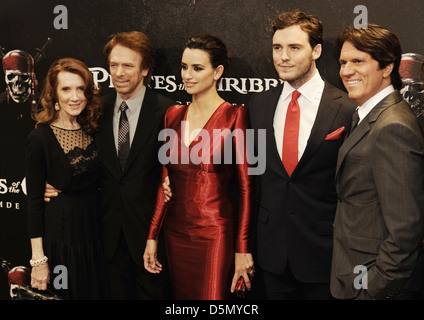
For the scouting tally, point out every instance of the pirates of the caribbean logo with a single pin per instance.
(19, 75)
(18, 67)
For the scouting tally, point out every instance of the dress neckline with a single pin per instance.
(203, 128)
(51, 125)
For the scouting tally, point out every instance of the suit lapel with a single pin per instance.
(273, 158)
(108, 141)
(364, 126)
(327, 112)
(146, 123)
(360, 131)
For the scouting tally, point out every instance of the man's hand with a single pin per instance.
(50, 192)
(167, 192)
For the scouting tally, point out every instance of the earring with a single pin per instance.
(57, 106)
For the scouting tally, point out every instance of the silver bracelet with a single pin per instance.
(36, 263)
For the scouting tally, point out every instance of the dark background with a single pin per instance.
(242, 25)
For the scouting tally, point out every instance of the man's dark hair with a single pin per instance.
(307, 22)
(380, 43)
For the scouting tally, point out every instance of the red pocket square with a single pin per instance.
(336, 135)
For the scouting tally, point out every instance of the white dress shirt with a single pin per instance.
(373, 101)
(309, 100)
(133, 112)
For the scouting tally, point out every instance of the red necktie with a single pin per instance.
(291, 134)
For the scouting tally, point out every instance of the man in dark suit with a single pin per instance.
(128, 145)
(131, 170)
(379, 226)
(296, 194)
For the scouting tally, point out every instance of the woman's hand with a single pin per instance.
(151, 263)
(40, 276)
(243, 266)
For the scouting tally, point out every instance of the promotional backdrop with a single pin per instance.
(80, 29)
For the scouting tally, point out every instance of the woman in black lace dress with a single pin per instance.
(65, 234)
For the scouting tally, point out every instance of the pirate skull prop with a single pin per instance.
(411, 70)
(18, 68)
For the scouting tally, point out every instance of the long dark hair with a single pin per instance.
(215, 48)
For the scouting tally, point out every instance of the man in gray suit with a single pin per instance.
(379, 226)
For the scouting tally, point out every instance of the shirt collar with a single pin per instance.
(134, 102)
(308, 89)
(373, 101)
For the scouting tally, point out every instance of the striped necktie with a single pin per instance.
(123, 136)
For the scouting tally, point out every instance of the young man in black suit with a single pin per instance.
(305, 120)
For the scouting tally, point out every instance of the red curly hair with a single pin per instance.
(89, 117)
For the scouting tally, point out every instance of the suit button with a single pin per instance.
(339, 198)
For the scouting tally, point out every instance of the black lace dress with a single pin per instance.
(70, 222)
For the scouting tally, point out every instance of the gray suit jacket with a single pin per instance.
(379, 220)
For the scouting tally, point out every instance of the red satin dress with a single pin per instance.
(202, 228)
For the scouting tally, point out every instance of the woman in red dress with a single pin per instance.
(207, 239)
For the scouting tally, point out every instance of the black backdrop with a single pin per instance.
(242, 25)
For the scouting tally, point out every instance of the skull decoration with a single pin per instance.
(411, 70)
(19, 75)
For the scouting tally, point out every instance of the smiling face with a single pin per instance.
(361, 74)
(197, 72)
(294, 59)
(70, 93)
(125, 70)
